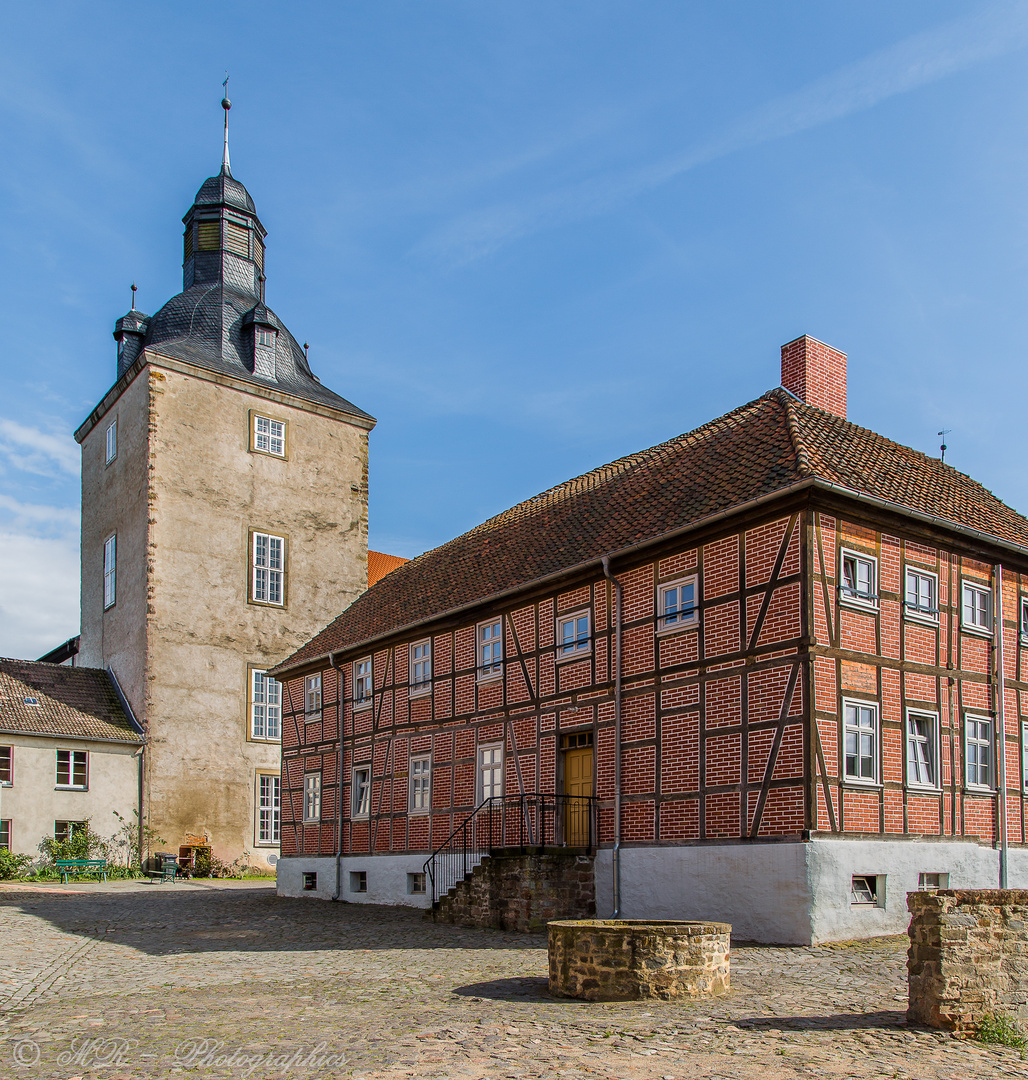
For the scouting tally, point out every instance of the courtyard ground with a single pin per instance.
(225, 979)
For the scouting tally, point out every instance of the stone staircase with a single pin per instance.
(521, 889)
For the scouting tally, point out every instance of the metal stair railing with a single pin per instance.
(510, 821)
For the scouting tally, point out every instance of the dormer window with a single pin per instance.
(264, 339)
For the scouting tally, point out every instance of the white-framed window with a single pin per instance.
(416, 883)
(268, 569)
(111, 442)
(490, 771)
(312, 796)
(72, 769)
(360, 802)
(921, 595)
(858, 578)
(358, 881)
(860, 724)
(573, 635)
(930, 881)
(421, 667)
(265, 706)
(269, 812)
(978, 751)
(1024, 757)
(65, 830)
(269, 436)
(1024, 619)
(110, 569)
(867, 890)
(420, 784)
(490, 649)
(6, 766)
(363, 691)
(676, 604)
(312, 697)
(976, 607)
(5, 834)
(922, 749)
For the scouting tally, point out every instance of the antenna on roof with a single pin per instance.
(226, 168)
(133, 308)
(305, 348)
(944, 447)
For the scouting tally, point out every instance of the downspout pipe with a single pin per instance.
(605, 562)
(1001, 729)
(339, 777)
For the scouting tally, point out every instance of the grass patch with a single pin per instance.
(1001, 1031)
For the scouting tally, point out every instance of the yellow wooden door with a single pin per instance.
(578, 782)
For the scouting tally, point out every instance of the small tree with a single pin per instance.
(125, 841)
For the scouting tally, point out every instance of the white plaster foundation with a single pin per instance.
(386, 877)
(780, 893)
(793, 893)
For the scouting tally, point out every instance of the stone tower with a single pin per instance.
(224, 521)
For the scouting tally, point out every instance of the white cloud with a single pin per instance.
(33, 450)
(39, 593)
(991, 31)
(47, 515)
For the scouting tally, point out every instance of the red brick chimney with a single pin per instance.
(815, 373)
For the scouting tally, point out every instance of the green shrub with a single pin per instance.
(12, 865)
(83, 843)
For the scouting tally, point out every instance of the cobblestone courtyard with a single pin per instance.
(225, 979)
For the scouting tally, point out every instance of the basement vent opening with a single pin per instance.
(358, 881)
(310, 879)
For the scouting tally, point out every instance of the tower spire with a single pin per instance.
(226, 168)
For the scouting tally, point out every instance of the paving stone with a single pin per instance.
(132, 981)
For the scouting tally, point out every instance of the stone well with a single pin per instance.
(629, 959)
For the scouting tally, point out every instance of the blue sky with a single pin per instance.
(528, 237)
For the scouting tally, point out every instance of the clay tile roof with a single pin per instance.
(755, 450)
(74, 702)
(380, 564)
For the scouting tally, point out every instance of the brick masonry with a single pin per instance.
(522, 890)
(968, 957)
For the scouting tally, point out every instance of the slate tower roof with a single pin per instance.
(219, 321)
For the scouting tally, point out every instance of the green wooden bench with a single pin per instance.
(81, 866)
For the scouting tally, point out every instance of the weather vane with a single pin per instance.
(133, 296)
(944, 448)
(226, 168)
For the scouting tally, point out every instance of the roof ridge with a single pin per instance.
(788, 405)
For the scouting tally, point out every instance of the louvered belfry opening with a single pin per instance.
(224, 239)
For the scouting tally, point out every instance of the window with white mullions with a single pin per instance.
(420, 783)
(978, 751)
(6, 766)
(861, 741)
(490, 771)
(361, 794)
(265, 707)
(269, 436)
(363, 691)
(921, 752)
(268, 568)
(420, 666)
(858, 578)
(312, 797)
(490, 649)
(71, 768)
(312, 697)
(921, 594)
(976, 607)
(1024, 618)
(677, 604)
(110, 570)
(573, 635)
(1024, 756)
(268, 809)
(111, 443)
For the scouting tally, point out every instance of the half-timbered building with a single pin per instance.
(765, 654)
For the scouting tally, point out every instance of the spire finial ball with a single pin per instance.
(226, 104)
